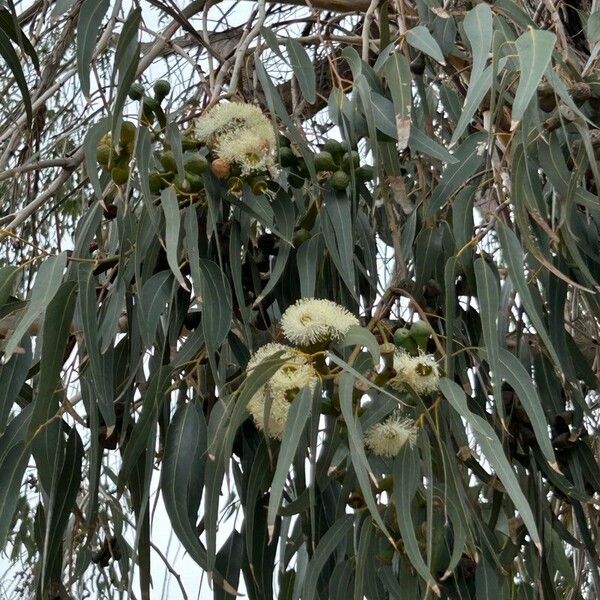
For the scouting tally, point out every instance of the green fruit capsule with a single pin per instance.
(402, 339)
(196, 165)
(162, 89)
(156, 183)
(334, 148)
(195, 181)
(136, 91)
(420, 332)
(350, 161)
(120, 175)
(286, 157)
(365, 173)
(189, 144)
(167, 160)
(300, 236)
(103, 154)
(340, 180)
(128, 131)
(324, 162)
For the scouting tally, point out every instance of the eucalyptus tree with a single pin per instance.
(311, 284)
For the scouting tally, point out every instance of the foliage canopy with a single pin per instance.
(178, 184)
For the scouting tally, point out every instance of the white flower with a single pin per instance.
(267, 351)
(239, 133)
(421, 372)
(295, 374)
(388, 438)
(277, 416)
(311, 320)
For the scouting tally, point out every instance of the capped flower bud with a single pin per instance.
(220, 168)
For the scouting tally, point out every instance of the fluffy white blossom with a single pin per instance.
(311, 320)
(267, 351)
(277, 416)
(295, 374)
(421, 372)
(239, 133)
(388, 438)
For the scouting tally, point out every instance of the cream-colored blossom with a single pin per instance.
(277, 416)
(267, 351)
(311, 320)
(295, 374)
(239, 133)
(420, 372)
(389, 437)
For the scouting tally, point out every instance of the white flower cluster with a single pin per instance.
(239, 133)
(311, 321)
(295, 374)
(388, 438)
(421, 372)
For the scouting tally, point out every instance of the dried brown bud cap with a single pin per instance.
(220, 168)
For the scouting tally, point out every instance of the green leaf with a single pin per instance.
(478, 29)
(512, 371)
(535, 51)
(488, 297)
(47, 282)
(12, 469)
(8, 277)
(494, 454)
(358, 457)
(513, 255)
(13, 375)
(182, 471)
(406, 474)
(399, 79)
(307, 262)
(478, 88)
(338, 233)
(396, 71)
(593, 27)
(9, 54)
(100, 364)
(62, 500)
(90, 18)
(294, 427)
(153, 300)
(285, 220)
(420, 38)
(127, 55)
(419, 142)
(9, 23)
(469, 155)
(168, 200)
(303, 69)
(360, 336)
(216, 304)
(332, 539)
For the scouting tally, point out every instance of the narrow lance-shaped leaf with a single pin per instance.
(535, 51)
(90, 17)
(47, 282)
(294, 427)
(303, 69)
(494, 453)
